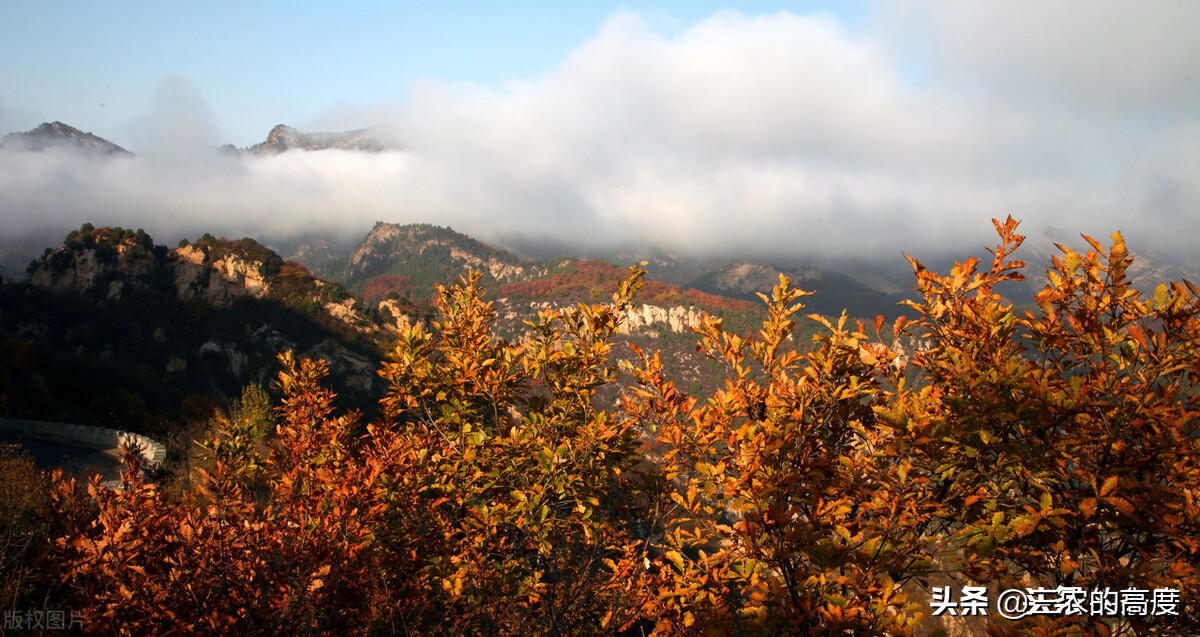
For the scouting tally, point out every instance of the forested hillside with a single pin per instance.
(114, 330)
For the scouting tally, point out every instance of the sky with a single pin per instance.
(773, 127)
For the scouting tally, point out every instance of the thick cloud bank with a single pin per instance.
(781, 134)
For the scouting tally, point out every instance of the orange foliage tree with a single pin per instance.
(822, 489)
(793, 512)
(495, 496)
(1063, 442)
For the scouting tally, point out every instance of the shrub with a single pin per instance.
(819, 490)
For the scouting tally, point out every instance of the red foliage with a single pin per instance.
(378, 288)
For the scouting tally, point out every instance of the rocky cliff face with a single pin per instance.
(60, 135)
(676, 318)
(499, 270)
(219, 281)
(103, 270)
(203, 319)
(106, 264)
(395, 314)
(640, 320)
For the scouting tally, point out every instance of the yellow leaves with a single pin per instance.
(843, 532)
(675, 558)
(1071, 260)
(1023, 525)
(1108, 487)
(453, 585)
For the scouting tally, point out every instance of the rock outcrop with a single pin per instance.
(638, 319)
(676, 318)
(284, 138)
(60, 135)
(219, 281)
(393, 312)
(100, 270)
(205, 318)
(499, 270)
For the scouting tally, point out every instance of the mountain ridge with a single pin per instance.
(280, 139)
(169, 333)
(59, 135)
(283, 138)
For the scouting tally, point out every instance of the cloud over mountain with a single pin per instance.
(779, 133)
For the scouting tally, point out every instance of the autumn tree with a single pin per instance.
(1063, 442)
(521, 488)
(822, 489)
(223, 557)
(496, 497)
(792, 513)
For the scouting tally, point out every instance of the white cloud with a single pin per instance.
(1087, 57)
(781, 133)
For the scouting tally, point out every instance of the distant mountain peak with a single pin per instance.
(430, 254)
(283, 138)
(59, 135)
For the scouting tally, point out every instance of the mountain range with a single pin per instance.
(111, 328)
(280, 139)
(863, 286)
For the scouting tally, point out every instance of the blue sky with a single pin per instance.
(97, 65)
(790, 128)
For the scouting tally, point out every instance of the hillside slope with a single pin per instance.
(834, 291)
(59, 135)
(114, 330)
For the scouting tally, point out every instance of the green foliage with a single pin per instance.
(423, 256)
(89, 235)
(238, 436)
